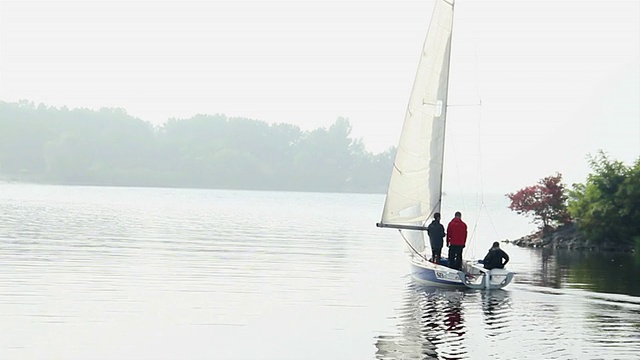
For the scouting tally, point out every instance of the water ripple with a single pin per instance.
(169, 273)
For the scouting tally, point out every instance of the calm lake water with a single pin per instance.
(135, 273)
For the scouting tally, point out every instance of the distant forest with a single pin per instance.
(109, 147)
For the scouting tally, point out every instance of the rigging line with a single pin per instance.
(479, 201)
(491, 220)
(480, 179)
(475, 55)
(480, 192)
(473, 233)
(411, 246)
(458, 177)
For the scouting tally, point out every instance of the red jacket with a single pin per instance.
(457, 232)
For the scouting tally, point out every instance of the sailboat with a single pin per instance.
(415, 188)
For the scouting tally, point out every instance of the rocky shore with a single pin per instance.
(566, 237)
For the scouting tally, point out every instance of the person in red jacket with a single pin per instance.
(456, 240)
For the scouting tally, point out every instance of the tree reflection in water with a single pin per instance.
(609, 272)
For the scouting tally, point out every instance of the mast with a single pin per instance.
(446, 108)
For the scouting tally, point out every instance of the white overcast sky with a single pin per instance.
(557, 79)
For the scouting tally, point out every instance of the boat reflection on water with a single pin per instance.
(434, 323)
(431, 325)
(496, 309)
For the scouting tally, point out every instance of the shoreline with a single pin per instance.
(567, 237)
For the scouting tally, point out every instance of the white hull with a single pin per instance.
(472, 275)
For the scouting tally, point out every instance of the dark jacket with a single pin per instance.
(494, 257)
(436, 234)
(457, 232)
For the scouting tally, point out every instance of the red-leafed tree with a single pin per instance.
(545, 201)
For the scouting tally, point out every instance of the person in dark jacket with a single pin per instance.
(494, 258)
(456, 240)
(436, 238)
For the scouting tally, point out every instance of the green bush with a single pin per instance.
(607, 206)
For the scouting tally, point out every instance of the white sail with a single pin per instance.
(415, 187)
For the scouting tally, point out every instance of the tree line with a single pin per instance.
(606, 207)
(110, 147)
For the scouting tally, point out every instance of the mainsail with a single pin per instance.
(415, 187)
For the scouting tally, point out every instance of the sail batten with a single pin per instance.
(415, 187)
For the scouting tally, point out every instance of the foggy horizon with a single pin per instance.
(556, 80)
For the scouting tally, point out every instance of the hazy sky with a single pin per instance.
(557, 79)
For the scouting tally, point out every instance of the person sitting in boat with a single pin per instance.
(436, 238)
(456, 240)
(494, 258)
